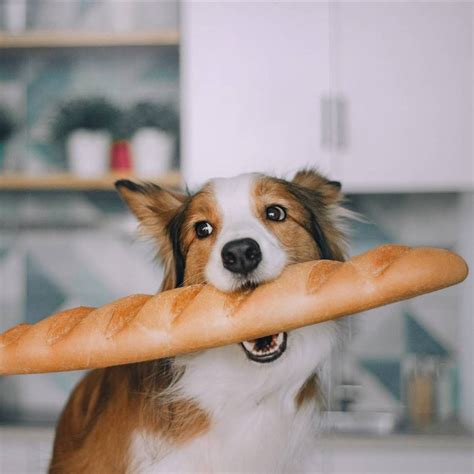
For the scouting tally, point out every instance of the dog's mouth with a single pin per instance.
(266, 349)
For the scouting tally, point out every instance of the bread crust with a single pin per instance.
(143, 327)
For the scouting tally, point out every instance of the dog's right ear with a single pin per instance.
(158, 211)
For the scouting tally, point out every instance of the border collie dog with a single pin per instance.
(249, 407)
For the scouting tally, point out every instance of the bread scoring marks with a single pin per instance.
(124, 312)
(320, 274)
(234, 301)
(64, 322)
(13, 334)
(376, 261)
(186, 296)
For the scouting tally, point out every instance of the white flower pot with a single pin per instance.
(152, 152)
(15, 15)
(88, 152)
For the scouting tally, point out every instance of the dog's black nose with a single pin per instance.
(241, 256)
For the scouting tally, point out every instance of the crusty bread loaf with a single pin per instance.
(142, 327)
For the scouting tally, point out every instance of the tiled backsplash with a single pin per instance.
(84, 253)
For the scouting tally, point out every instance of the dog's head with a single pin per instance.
(240, 232)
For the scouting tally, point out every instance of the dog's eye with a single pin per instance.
(276, 213)
(203, 229)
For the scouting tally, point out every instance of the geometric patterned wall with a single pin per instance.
(384, 340)
(44, 270)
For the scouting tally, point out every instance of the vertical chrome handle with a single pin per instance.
(333, 122)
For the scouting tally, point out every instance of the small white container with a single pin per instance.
(15, 15)
(88, 152)
(152, 152)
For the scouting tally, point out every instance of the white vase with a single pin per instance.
(15, 15)
(88, 152)
(152, 152)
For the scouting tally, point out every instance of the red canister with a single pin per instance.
(121, 157)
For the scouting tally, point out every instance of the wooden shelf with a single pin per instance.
(67, 182)
(70, 39)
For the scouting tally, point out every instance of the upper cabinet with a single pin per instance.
(404, 74)
(253, 74)
(378, 94)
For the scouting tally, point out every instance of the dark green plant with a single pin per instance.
(122, 128)
(152, 115)
(91, 113)
(7, 124)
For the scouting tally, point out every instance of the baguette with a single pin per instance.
(143, 327)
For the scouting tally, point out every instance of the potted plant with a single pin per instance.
(153, 130)
(7, 126)
(85, 127)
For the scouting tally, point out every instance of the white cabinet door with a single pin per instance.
(253, 74)
(405, 70)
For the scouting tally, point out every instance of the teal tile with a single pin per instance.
(387, 372)
(11, 67)
(43, 296)
(419, 340)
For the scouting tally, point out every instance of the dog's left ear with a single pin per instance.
(153, 206)
(158, 211)
(329, 191)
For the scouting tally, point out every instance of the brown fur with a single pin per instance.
(309, 195)
(202, 207)
(291, 232)
(155, 209)
(310, 392)
(108, 405)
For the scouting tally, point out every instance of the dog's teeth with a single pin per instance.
(249, 345)
(269, 349)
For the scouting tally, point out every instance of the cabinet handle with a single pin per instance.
(333, 122)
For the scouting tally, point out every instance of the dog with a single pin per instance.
(249, 407)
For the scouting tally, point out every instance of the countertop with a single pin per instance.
(26, 450)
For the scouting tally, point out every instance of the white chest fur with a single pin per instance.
(259, 439)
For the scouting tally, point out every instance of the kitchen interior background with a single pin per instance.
(90, 90)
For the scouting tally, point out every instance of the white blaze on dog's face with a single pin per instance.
(245, 250)
(240, 232)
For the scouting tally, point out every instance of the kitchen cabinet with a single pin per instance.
(377, 94)
(252, 78)
(404, 70)
(27, 450)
